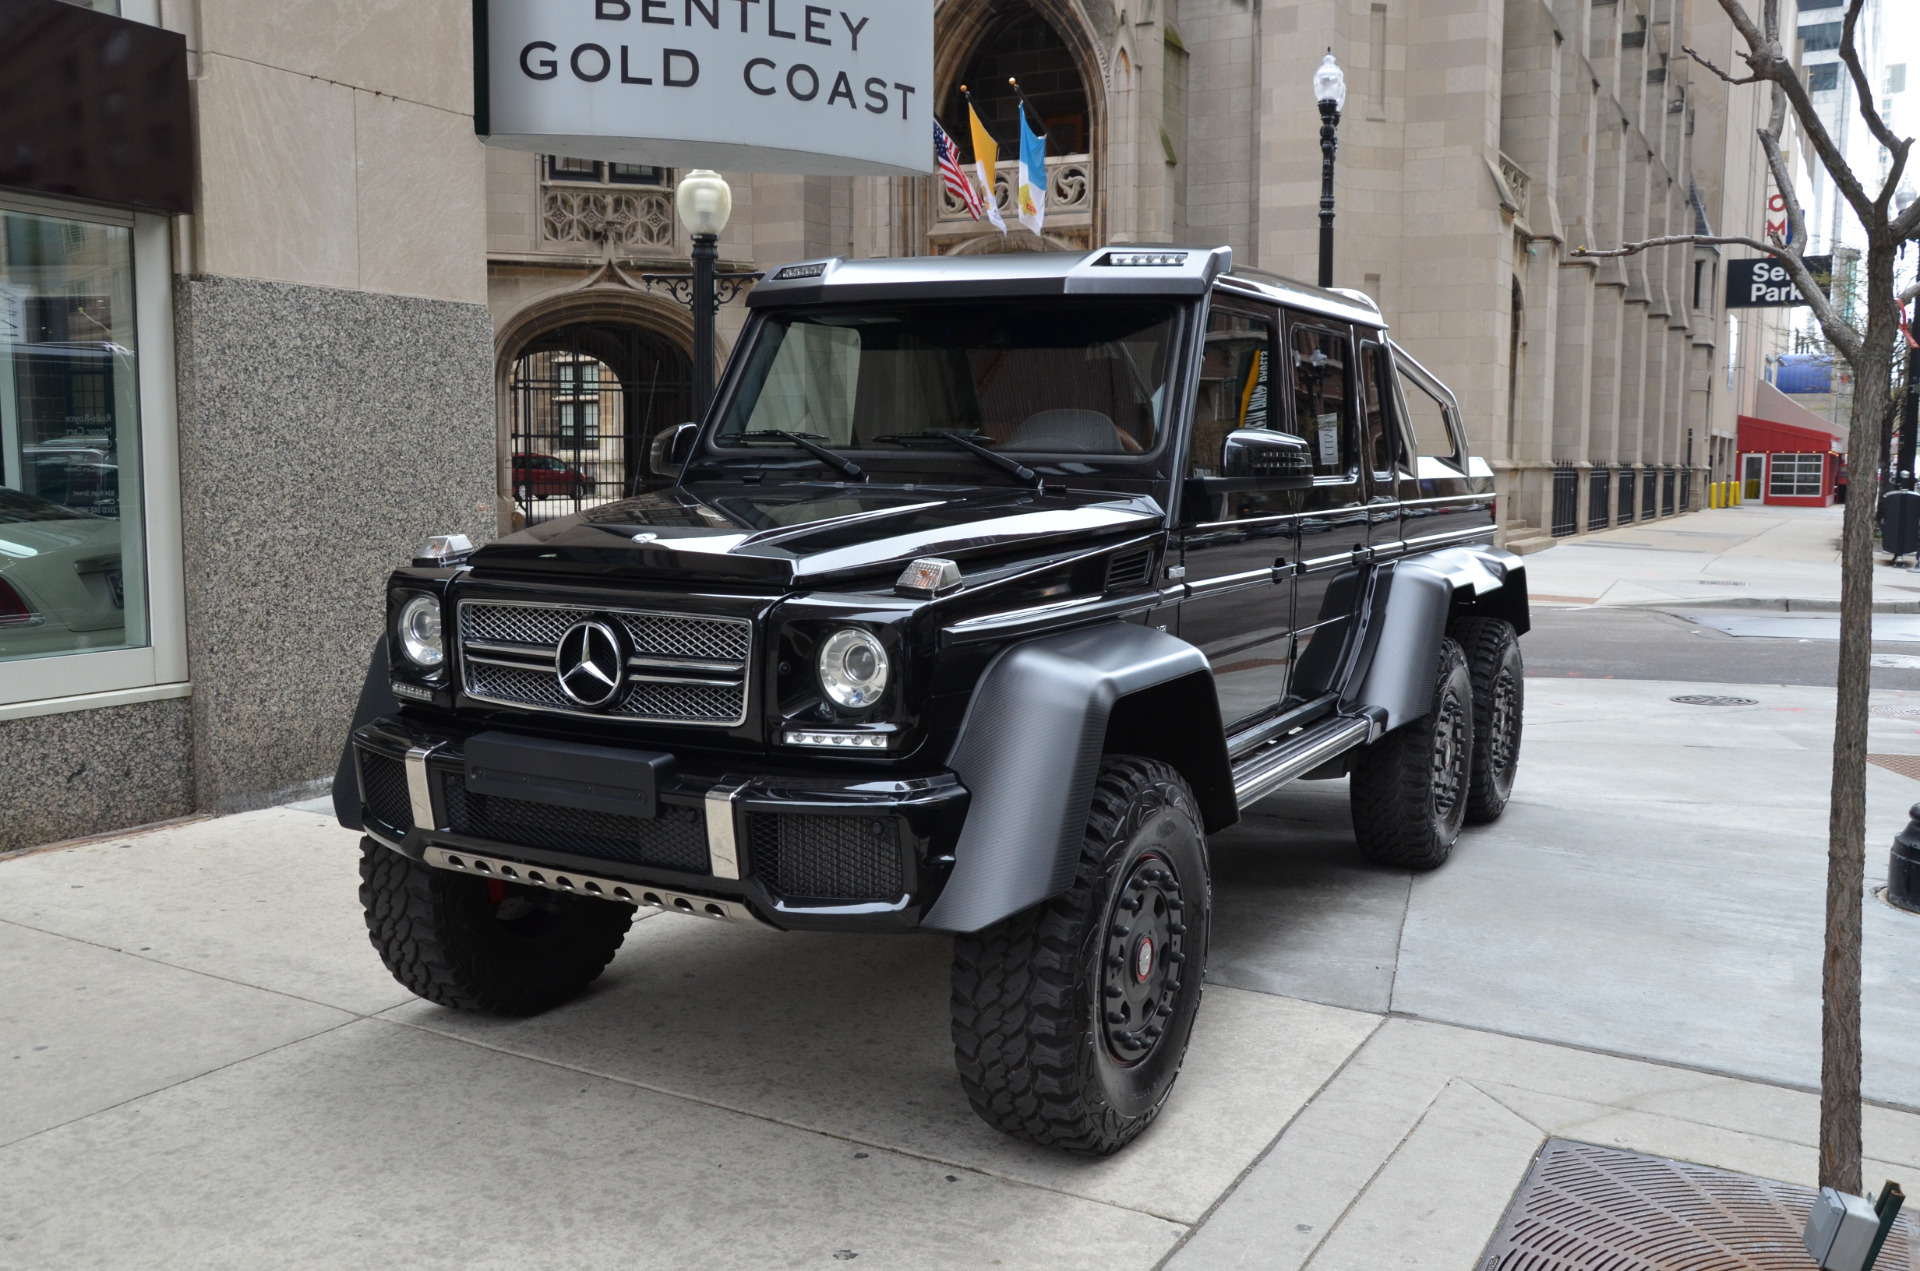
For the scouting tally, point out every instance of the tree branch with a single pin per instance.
(1749, 79)
(1851, 56)
(1770, 62)
(1844, 337)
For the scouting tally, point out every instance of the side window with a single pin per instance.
(1427, 416)
(1323, 398)
(1377, 432)
(1236, 374)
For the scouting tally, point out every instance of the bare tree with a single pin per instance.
(1870, 352)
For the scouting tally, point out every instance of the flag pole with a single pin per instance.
(1033, 116)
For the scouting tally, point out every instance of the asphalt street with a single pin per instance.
(1650, 644)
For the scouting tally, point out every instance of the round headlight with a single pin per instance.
(853, 668)
(418, 630)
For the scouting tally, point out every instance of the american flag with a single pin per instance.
(958, 184)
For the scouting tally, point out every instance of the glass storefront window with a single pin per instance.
(72, 546)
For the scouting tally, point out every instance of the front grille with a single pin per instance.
(385, 783)
(675, 839)
(684, 669)
(827, 857)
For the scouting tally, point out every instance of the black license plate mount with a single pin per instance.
(568, 774)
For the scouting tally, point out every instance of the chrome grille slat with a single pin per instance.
(687, 668)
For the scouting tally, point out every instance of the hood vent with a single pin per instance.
(1130, 571)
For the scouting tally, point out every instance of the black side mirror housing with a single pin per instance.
(1252, 460)
(671, 446)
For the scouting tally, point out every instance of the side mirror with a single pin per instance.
(1270, 460)
(671, 446)
(1252, 460)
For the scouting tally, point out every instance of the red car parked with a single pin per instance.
(543, 476)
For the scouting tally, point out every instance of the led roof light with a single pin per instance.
(1137, 260)
(814, 270)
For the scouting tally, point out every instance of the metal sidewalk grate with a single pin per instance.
(1589, 1208)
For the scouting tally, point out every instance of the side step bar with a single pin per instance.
(1260, 774)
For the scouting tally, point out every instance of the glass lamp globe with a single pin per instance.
(704, 201)
(1330, 83)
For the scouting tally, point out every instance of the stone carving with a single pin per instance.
(1518, 181)
(1069, 189)
(621, 219)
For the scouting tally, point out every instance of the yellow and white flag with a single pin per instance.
(986, 154)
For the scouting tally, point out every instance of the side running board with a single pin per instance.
(1266, 770)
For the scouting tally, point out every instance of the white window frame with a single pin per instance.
(62, 682)
(1795, 474)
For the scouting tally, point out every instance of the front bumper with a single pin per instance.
(804, 854)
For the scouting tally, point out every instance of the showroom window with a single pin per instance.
(83, 386)
(72, 539)
(1798, 476)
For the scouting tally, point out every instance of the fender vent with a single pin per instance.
(1130, 571)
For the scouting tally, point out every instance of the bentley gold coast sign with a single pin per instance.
(840, 89)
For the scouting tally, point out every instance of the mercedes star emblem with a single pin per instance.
(590, 664)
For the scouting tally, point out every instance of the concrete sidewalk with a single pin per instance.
(208, 1067)
(1752, 556)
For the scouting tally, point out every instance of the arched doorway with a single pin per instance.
(1019, 42)
(583, 401)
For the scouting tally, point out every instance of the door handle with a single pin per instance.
(1284, 569)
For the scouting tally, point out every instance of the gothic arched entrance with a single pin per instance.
(1044, 43)
(583, 401)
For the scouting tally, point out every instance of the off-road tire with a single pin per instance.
(1033, 1036)
(1499, 698)
(443, 937)
(1409, 789)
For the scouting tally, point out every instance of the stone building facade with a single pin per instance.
(294, 337)
(1483, 141)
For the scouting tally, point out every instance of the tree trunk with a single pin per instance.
(1840, 1146)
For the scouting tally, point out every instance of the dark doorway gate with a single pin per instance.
(586, 401)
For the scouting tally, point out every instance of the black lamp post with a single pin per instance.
(705, 202)
(1330, 90)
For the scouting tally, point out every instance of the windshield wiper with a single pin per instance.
(805, 442)
(1005, 463)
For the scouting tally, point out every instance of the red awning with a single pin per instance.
(1764, 436)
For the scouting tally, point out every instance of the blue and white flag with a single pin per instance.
(1031, 197)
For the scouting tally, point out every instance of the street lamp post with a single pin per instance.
(704, 201)
(1330, 90)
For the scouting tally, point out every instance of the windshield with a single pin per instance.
(1037, 377)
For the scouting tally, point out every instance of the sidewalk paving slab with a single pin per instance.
(383, 1145)
(849, 1036)
(83, 1028)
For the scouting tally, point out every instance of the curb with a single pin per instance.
(1773, 604)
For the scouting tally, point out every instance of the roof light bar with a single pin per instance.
(1139, 260)
(801, 271)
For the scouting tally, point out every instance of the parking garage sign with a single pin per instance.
(839, 89)
(1764, 283)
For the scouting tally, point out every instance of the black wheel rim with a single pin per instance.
(1506, 718)
(1145, 949)
(1449, 755)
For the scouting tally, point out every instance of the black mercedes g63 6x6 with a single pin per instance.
(988, 588)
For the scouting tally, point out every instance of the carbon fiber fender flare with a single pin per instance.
(1412, 602)
(1029, 754)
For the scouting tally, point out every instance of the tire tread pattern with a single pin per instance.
(1486, 641)
(411, 924)
(1016, 993)
(1392, 795)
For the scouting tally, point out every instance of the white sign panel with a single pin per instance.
(839, 89)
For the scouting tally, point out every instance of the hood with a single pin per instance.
(810, 535)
